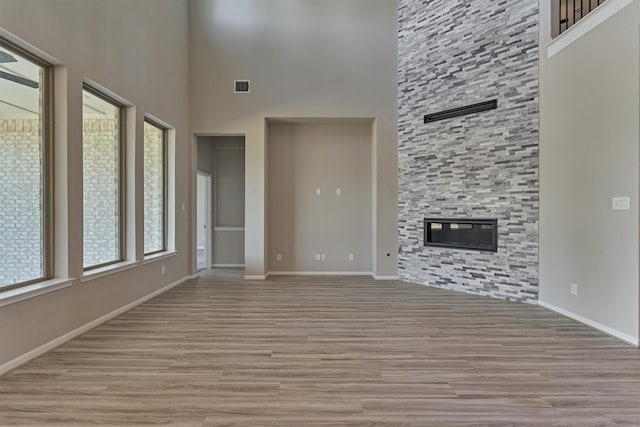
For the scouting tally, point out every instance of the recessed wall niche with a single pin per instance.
(319, 195)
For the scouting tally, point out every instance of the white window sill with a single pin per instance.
(31, 291)
(160, 255)
(108, 270)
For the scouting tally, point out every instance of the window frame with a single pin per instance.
(46, 163)
(165, 186)
(122, 178)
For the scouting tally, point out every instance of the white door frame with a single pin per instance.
(208, 217)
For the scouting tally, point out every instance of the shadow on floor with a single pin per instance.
(222, 273)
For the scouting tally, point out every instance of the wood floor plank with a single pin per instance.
(328, 351)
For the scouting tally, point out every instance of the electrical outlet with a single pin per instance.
(338, 191)
(620, 203)
(279, 257)
(574, 289)
(316, 257)
(162, 270)
(324, 257)
(350, 257)
(317, 191)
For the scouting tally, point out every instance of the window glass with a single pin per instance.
(102, 181)
(154, 189)
(23, 198)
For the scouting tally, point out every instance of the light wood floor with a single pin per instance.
(329, 352)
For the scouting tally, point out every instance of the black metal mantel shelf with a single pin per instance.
(461, 111)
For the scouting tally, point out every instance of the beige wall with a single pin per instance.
(229, 184)
(590, 106)
(206, 155)
(305, 58)
(325, 156)
(139, 52)
(228, 232)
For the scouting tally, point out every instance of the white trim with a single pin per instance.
(227, 265)
(162, 123)
(596, 17)
(157, 257)
(103, 91)
(108, 270)
(599, 326)
(31, 291)
(319, 273)
(386, 277)
(228, 228)
(29, 48)
(39, 351)
(193, 276)
(205, 134)
(255, 277)
(208, 219)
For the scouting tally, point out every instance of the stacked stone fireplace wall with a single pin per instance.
(483, 165)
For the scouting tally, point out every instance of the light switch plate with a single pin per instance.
(338, 191)
(317, 191)
(620, 203)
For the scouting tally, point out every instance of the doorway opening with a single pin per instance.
(223, 159)
(203, 215)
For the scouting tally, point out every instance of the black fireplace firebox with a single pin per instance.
(474, 234)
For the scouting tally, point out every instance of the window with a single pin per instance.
(565, 13)
(103, 180)
(155, 188)
(25, 144)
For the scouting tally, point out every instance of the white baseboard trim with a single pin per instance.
(319, 273)
(228, 265)
(255, 277)
(193, 276)
(39, 351)
(386, 277)
(599, 326)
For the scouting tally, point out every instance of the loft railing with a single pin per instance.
(571, 11)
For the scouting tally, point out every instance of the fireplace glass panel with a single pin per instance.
(475, 234)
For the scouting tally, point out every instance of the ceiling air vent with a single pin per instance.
(241, 86)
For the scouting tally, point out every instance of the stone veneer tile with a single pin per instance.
(485, 165)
